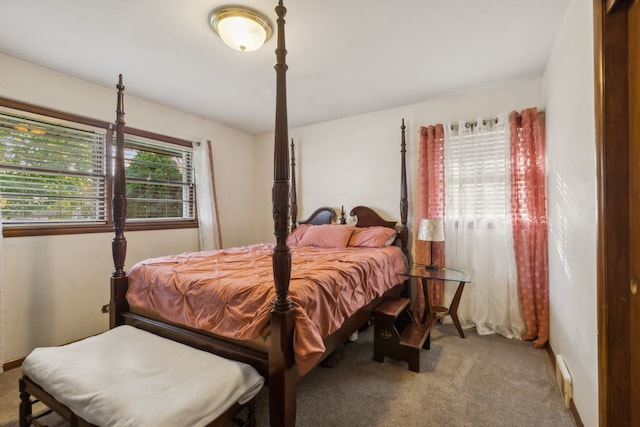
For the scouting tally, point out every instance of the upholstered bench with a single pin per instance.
(129, 377)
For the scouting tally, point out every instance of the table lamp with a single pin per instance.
(431, 230)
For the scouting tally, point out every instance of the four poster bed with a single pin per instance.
(280, 308)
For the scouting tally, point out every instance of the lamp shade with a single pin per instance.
(240, 28)
(431, 230)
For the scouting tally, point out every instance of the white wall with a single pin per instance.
(572, 180)
(356, 160)
(54, 286)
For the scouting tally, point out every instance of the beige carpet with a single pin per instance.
(487, 381)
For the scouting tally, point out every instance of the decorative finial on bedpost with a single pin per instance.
(404, 204)
(280, 195)
(343, 215)
(119, 204)
(294, 197)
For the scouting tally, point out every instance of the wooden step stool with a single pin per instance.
(129, 377)
(396, 335)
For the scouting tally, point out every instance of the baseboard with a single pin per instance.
(575, 414)
(572, 406)
(12, 364)
(16, 363)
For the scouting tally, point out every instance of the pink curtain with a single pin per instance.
(529, 220)
(430, 203)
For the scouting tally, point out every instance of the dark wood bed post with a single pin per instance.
(404, 203)
(294, 197)
(118, 302)
(283, 375)
(343, 215)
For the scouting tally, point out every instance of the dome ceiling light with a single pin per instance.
(240, 28)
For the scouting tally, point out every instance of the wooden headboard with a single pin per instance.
(323, 215)
(367, 217)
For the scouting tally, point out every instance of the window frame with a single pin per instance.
(47, 229)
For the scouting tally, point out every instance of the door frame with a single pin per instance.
(612, 140)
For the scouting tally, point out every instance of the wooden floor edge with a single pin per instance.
(572, 406)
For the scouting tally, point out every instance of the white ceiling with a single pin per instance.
(345, 57)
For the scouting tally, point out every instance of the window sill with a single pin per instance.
(10, 230)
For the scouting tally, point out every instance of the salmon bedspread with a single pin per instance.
(229, 292)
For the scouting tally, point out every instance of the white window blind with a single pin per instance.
(477, 169)
(160, 180)
(51, 172)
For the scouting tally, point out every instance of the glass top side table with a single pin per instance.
(447, 274)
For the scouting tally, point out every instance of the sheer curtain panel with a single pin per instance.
(208, 223)
(477, 225)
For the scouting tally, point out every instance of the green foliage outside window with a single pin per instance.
(154, 186)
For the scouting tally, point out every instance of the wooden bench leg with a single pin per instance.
(25, 405)
(251, 416)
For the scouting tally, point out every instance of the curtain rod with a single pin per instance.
(489, 121)
(541, 112)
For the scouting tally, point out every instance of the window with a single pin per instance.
(477, 173)
(51, 173)
(160, 182)
(56, 171)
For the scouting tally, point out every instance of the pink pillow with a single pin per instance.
(327, 236)
(296, 235)
(372, 237)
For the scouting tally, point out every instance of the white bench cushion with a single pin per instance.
(129, 377)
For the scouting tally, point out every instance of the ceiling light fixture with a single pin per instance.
(240, 28)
